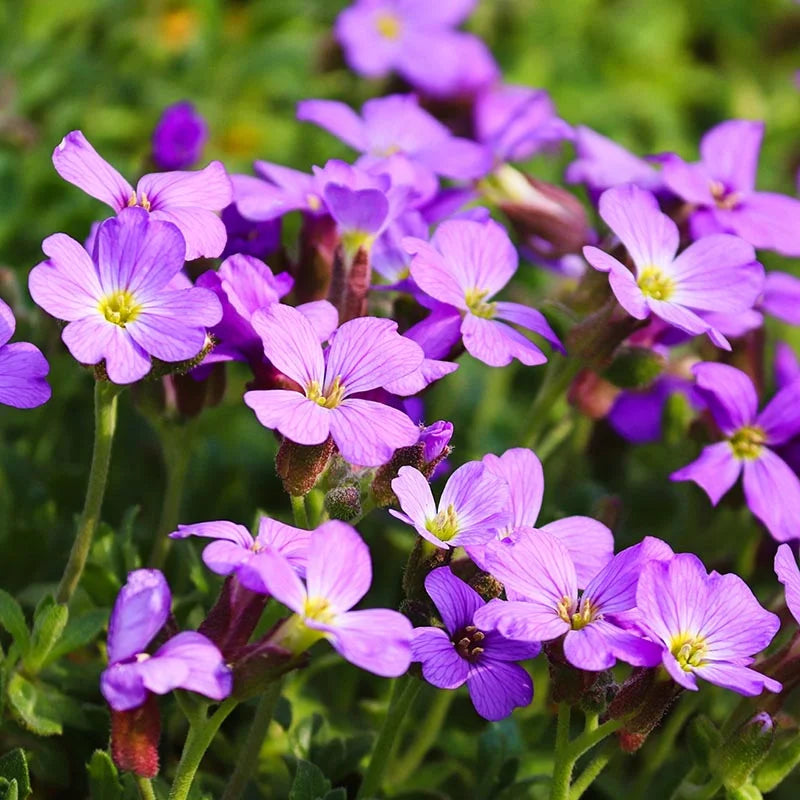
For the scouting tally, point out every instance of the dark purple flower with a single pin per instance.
(250, 237)
(464, 653)
(186, 661)
(22, 368)
(189, 200)
(179, 137)
(710, 624)
(120, 302)
(771, 489)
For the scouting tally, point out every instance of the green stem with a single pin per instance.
(562, 768)
(299, 510)
(425, 737)
(691, 791)
(247, 759)
(105, 420)
(559, 375)
(404, 690)
(177, 449)
(587, 740)
(145, 788)
(195, 747)
(590, 773)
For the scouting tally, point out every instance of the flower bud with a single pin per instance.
(634, 367)
(318, 242)
(350, 283)
(424, 558)
(299, 465)
(343, 502)
(134, 738)
(568, 684)
(743, 751)
(746, 792)
(259, 664)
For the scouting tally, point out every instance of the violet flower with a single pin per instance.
(189, 200)
(474, 505)
(416, 39)
(722, 189)
(771, 489)
(186, 661)
(236, 551)
(118, 302)
(718, 273)
(365, 354)
(463, 653)
(249, 237)
(782, 297)
(595, 624)
(179, 137)
(338, 575)
(22, 368)
(465, 264)
(710, 624)
(789, 575)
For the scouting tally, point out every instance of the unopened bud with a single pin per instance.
(299, 465)
(568, 684)
(746, 792)
(743, 751)
(350, 283)
(343, 502)
(703, 738)
(134, 738)
(634, 367)
(318, 242)
(424, 558)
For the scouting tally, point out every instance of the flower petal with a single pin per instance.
(589, 543)
(780, 420)
(497, 344)
(339, 567)
(623, 284)
(455, 600)
(730, 395)
(522, 621)
(299, 419)
(481, 500)
(220, 529)
(205, 670)
(22, 376)
(203, 231)
(275, 573)
(789, 575)
(336, 118)
(742, 680)
(730, 152)
(772, 492)
(497, 688)
(715, 471)
(522, 471)
(442, 666)
(415, 496)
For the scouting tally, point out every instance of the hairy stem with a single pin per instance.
(562, 767)
(145, 788)
(299, 510)
(559, 375)
(590, 773)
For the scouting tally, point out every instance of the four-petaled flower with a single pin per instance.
(22, 368)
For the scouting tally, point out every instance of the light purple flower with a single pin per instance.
(710, 624)
(782, 297)
(338, 575)
(789, 575)
(722, 188)
(771, 489)
(277, 191)
(365, 354)
(589, 542)
(473, 507)
(718, 273)
(594, 624)
(189, 200)
(22, 368)
(179, 137)
(236, 551)
(415, 38)
(118, 302)
(463, 653)
(465, 264)
(187, 661)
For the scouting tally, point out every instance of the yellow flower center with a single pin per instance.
(689, 650)
(332, 399)
(476, 305)
(389, 25)
(655, 284)
(319, 609)
(142, 201)
(748, 442)
(314, 203)
(579, 618)
(722, 197)
(444, 526)
(120, 307)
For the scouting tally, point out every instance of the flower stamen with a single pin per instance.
(120, 307)
(655, 284)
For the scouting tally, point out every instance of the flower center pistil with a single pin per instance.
(444, 526)
(724, 199)
(120, 307)
(332, 398)
(748, 442)
(469, 643)
(474, 299)
(689, 650)
(142, 201)
(655, 284)
(576, 617)
(389, 25)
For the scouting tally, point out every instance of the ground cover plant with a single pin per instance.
(399, 399)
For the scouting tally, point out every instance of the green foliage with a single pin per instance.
(103, 777)
(14, 769)
(309, 783)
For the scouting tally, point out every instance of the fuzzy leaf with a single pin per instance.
(79, 632)
(14, 767)
(12, 619)
(103, 777)
(309, 782)
(29, 708)
(48, 626)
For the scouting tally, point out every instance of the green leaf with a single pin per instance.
(14, 767)
(283, 713)
(79, 632)
(9, 790)
(103, 777)
(309, 782)
(48, 626)
(12, 619)
(336, 794)
(28, 708)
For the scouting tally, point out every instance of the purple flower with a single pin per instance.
(118, 301)
(710, 624)
(718, 273)
(539, 568)
(187, 661)
(189, 200)
(465, 264)
(589, 543)
(789, 575)
(416, 39)
(179, 137)
(338, 575)
(249, 237)
(236, 551)
(473, 507)
(463, 653)
(365, 354)
(722, 188)
(516, 122)
(771, 489)
(782, 297)
(22, 368)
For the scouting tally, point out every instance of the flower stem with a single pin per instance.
(562, 767)
(247, 759)
(590, 773)
(404, 690)
(105, 420)
(177, 450)
(197, 742)
(560, 372)
(588, 739)
(145, 788)
(299, 510)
